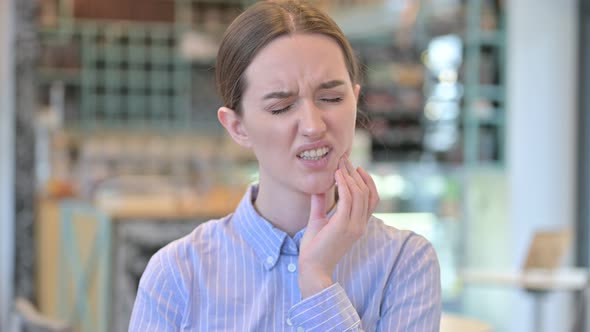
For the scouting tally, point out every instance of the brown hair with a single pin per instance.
(256, 27)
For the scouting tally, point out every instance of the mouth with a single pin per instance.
(314, 154)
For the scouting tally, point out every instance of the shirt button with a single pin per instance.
(300, 329)
(289, 322)
(269, 260)
(291, 267)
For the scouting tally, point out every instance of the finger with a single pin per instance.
(345, 173)
(342, 164)
(317, 217)
(344, 195)
(364, 189)
(353, 173)
(359, 195)
(358, 179)
(374, 194)
(359, 199)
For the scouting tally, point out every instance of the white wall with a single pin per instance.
(6, 163)
(542, 101)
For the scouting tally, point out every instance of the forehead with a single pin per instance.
(297, 59)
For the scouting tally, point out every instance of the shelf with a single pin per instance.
(71, 76)
(135, 69)
(486, 38)
(489, 92)
(366, 22)
(496, 121)
(394, 115)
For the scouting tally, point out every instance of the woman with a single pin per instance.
(302, 251)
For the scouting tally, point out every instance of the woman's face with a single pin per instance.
(299, 111)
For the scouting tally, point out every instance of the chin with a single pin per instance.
(317, 186)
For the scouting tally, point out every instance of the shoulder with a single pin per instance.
(405, 245)
(377, 230)
(187, 246)
(412, 293)
(175, 261)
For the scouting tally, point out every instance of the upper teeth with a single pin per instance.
(314, 154)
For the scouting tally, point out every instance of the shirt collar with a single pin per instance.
(267, 241)
(261, 235)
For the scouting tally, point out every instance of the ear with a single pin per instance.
(234, 125)
(356, 89)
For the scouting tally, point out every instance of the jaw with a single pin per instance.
(317, 183)
(300, 181)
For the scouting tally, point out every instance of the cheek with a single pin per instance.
(348, 129)
(346, 122)
(270, 137)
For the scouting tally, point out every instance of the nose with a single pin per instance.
(311, 122)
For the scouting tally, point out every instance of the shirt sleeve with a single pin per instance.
(412, 300)
(160, 301)
(327, 310)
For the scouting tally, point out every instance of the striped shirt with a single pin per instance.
(239, 273)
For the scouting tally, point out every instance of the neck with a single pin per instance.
(287, 209)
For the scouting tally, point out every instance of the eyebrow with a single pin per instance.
(287, 94)
(278, 95)
(331, 84)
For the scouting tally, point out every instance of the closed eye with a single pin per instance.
(282, 110)
(332, 100)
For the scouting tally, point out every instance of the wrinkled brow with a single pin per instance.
(278, 95)
(331, 84)
(287, 94)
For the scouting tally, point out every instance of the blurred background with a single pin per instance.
(475, 125)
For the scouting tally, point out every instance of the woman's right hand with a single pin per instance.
(325, 240)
